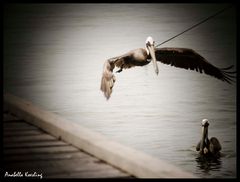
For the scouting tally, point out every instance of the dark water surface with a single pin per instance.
(54, 55)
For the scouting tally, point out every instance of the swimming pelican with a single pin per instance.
(205, 146)
(178, 57)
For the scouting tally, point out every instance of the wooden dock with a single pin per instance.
(30, 150)
(45, 143)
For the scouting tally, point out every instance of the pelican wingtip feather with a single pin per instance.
(108, 79)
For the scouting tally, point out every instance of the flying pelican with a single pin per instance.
(178, 57)
(205, 146)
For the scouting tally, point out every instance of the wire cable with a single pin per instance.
(195, 25)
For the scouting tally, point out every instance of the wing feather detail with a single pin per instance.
(123, 62)
(189, 59)
(108, 78)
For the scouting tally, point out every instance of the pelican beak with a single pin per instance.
(152, 53)
(204, 137)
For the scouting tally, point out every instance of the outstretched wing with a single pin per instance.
(108, 78)
(189, 59)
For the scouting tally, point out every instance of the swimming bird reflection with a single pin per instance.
(208, 164)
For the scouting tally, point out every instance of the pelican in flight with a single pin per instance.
(205, 146)
(178, 57)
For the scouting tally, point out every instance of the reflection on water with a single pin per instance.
(54, 55)
(208, 164)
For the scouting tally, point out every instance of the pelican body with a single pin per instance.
(178, 57)
(208, 147)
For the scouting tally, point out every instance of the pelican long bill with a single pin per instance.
(204, 135)
(152, 53)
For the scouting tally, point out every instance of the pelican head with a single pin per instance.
(205, 123)
(204, 141)
(150, 50)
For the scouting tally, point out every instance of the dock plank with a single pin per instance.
(91, 174)
(8, 117)
(34, 138)
(16, 126)
(49, 149)
(17, 133)
(46, 156)
(27, 148)
(34, 144)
